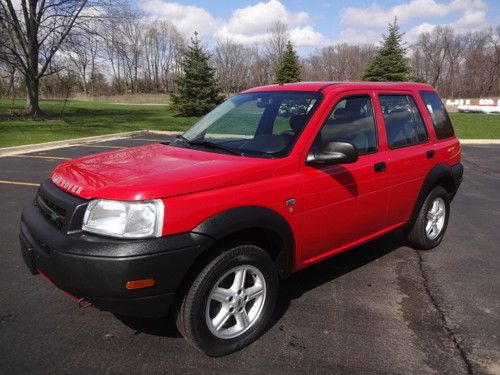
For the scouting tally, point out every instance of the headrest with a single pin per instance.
(342, 114)
(400, 113)
(297, 122)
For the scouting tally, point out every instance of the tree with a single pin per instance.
(162, 45)
(33, 32)
(338, 62)
(197, 89)
(275, 46)
(288, 69)
(390, 63)
(81, 57)
(232, 63)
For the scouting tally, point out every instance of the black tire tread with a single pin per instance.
(184, 315)
(416, 233)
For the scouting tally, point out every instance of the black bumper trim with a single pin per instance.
(97, 268)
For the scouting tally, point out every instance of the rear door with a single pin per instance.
(412, 155)
(345, 202)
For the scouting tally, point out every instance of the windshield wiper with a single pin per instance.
(210, 145)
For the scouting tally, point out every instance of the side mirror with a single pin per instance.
(334, 153)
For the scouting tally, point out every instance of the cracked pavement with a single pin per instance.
(381, 308)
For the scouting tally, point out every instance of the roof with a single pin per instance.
(325, 86)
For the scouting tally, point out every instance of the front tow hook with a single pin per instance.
(83, 304)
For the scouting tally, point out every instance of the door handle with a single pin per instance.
(430, 154)
(380, 167)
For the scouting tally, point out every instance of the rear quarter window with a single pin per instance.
(439, 116)
(403, 123)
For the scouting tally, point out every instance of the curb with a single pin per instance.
(15, 150)
(480, 141)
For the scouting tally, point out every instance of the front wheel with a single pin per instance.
(430, 226)
(230, 302)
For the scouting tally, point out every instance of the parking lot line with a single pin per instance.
(18, 183)
(37, 157)
(102, 146)
(144, 139)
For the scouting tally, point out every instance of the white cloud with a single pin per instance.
(257, 19)
(473, 19)
(414, 32)
(375, 16)
(356, 36)
(366, 24)
(252, 23)
(186, 18)
(307, 37)
(246, 25)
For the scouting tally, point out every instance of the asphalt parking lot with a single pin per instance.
(381, 308)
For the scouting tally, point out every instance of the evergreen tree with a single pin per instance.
(197, 89)
(288, 69)
(390, 63)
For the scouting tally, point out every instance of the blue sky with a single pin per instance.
(317, 23)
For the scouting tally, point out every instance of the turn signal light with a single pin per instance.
(140, 284)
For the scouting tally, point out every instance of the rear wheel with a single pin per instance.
(230, 302)
(430, 226)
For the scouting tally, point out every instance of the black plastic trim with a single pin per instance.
(237, 219)
(97, 268)
(435, 174)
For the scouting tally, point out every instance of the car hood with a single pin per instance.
(156, 171)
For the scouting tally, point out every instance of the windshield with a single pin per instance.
(262, 124)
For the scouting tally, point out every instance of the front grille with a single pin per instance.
(63, 210)
(53, 212)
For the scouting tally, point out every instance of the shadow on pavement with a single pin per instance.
(292, 288)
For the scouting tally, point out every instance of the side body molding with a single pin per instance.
(238, 219)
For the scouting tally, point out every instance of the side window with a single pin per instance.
(440, 118)
(403, 122)
(352, 121)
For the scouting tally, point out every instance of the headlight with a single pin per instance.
(124, 219)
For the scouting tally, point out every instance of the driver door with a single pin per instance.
(344, 203)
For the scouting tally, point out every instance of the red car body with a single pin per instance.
(326, 209)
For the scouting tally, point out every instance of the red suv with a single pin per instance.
(271, 181)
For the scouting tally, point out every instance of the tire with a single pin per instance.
(213, 299)
(430, 226)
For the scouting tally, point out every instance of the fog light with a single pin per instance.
(140, 284)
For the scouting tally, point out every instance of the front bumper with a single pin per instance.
(97, 268)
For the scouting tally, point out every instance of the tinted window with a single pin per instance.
(403, 122)
(440, 118)
(350, 121)
(292, 115)
(263, 124)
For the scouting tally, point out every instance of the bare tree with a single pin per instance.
(339, 62)
(35, 30)
(458, 64)
(275, 46)
(81, 51)
(232, 64)
(124, 49)
(162, 45)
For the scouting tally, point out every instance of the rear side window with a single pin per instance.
(439, 116)
(403, 122)
(350, 121)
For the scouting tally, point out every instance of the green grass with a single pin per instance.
(83, 119)
(476, 125)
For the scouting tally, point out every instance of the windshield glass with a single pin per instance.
(262, 124)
